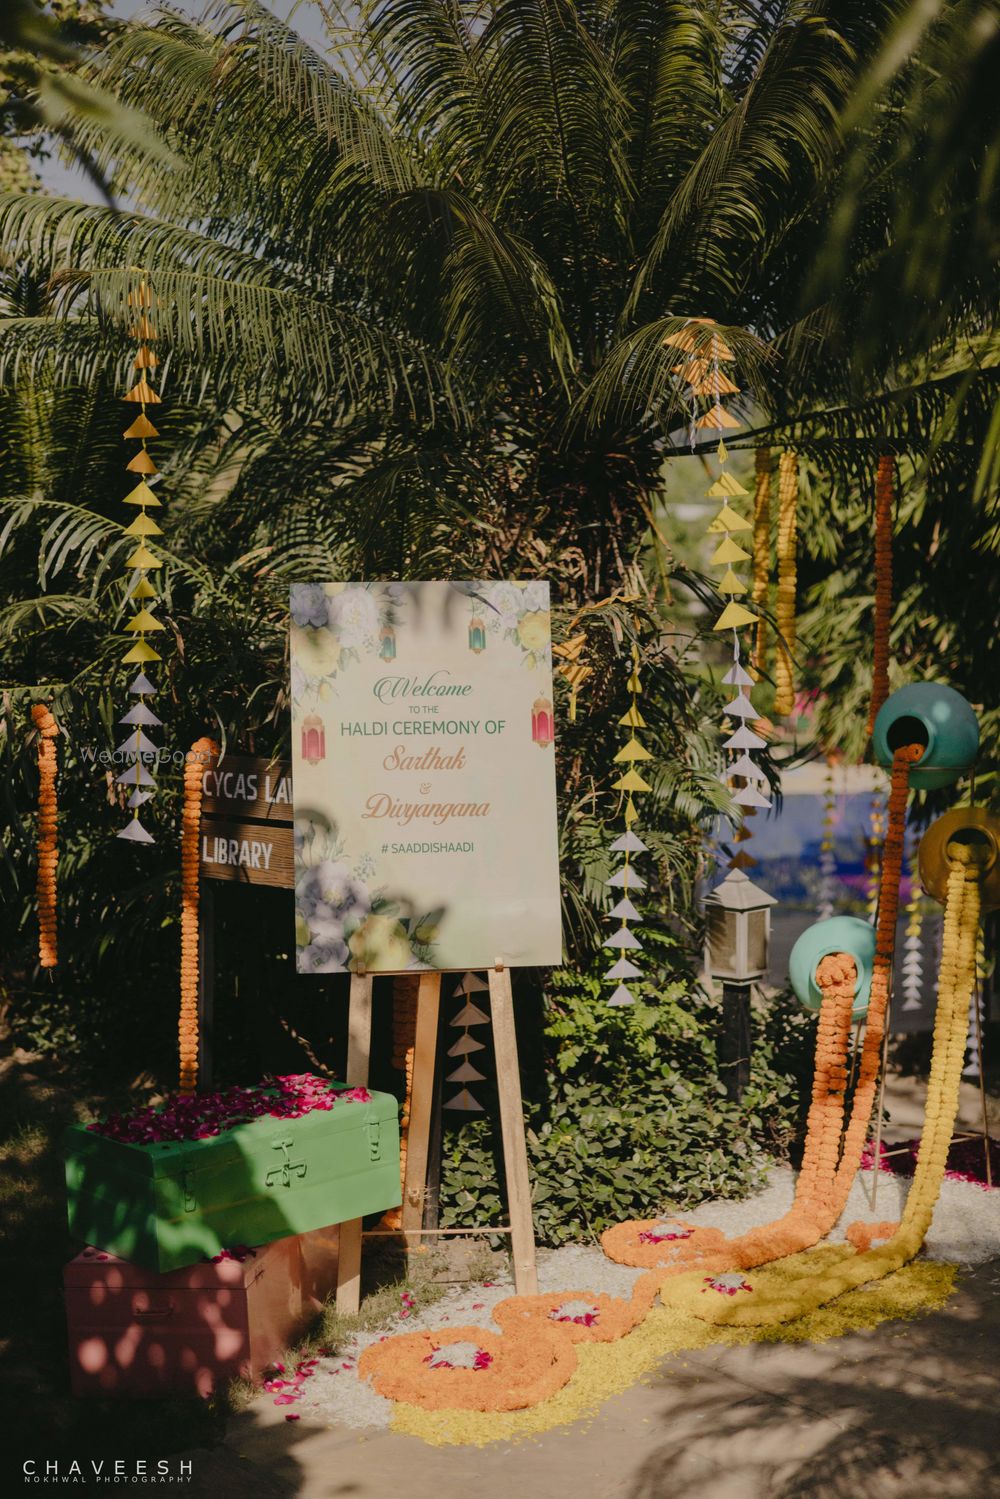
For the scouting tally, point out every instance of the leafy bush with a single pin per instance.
(629, 1116)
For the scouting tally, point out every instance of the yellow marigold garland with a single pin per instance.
(955, 980)
(788, 496)
(194, 769)
(404, 1036)
(48, 731)
(761, 554)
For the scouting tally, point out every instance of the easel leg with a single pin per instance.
(359, 1039)
(515, 1152)
(421, 1102)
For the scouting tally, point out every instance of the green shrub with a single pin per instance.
(629, 1116)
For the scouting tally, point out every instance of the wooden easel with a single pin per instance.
(246, 838)
(515, 1155)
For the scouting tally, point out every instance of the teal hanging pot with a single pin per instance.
(848, 934)
(935, 716)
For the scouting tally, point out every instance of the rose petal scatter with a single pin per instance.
(204, 1115)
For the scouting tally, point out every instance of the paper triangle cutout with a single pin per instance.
(623, 969)
(740, 707)
(742, 860)
(737, 677)
(141, 463)
(632, 719)
(464, 1045)
(624, 910)
(141, 714)
(464, 1101)
(136, 744)
(624, 938)
(136, 833)
(141, 427)
(143, 622)
(145, 359)
(728, 519)
(465, 1074)
(632, 751)
(135, 774)
(622, 996)
(142, 557)
(142, 590)
(748, 797)
(631, 781)
(715, 384)
(744, 766)
(140, 652)
(731, 583)
(471, 1014)
(141, 685)
(144, 392)
(139, 798)
(142, 495)
(143, 525)
(629, 843)
(725, 484)
(745, 739)
(718, 419)
(727, 551)
(627, 879)
(472, 984)
(733, 616)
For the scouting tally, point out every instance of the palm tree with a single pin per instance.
(439, 263)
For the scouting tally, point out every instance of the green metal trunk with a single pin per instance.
(168, 1204)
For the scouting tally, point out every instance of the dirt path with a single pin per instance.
(907, 1411)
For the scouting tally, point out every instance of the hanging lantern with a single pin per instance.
(477, 635)
(387, 646)
(313, 740)
(543, 729)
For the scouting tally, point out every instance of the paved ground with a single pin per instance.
(907, 1411)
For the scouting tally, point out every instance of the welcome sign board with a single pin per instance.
(424, 777)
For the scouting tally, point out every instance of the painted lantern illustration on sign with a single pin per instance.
(387, 643)
(477, 635)
(313, 740)
(542, 722)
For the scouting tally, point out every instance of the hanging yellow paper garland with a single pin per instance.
(138, 749)
(629, 785)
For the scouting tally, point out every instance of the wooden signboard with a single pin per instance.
(244, 786)
(250, 852)
(246, 831)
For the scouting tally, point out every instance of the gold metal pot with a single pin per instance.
(968, 825)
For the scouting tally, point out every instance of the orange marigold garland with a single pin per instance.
(200, 753)
(903, 1240)
(470, 1368)
(788, 497)
(884, 495)
(48, 731)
